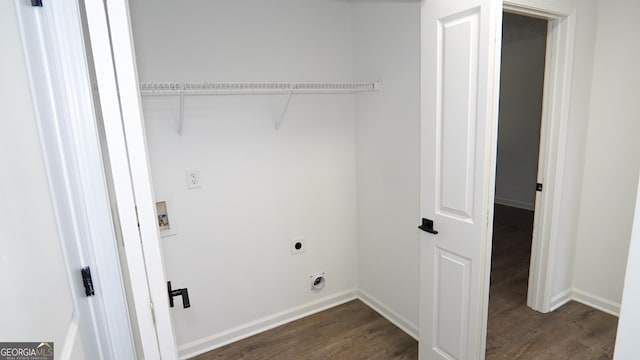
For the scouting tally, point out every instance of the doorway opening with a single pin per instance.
(522, 74)
(511, 320)
(524, 41)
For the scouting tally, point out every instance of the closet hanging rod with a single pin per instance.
(252, 88)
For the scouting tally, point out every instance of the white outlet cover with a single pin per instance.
(193, 178)
(294, 249)
(317, 281)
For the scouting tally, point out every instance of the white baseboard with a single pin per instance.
(596, 302)
(209, 343)
(561, 299)
(515, 203)
(585, 298)
(396, 319)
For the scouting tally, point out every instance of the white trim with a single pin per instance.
(556, 117)
(396, 319)
(244, 331)
(560, 299)
(133, 121)
(515, 203)
(586, 298)
(488, 196)
(118, 157)
(58, 72)
(596, 302)
(538, 8)
(553, 137)
(91, 188)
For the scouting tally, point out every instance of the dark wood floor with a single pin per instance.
(354, 331)
(349, 331)
(574, 331)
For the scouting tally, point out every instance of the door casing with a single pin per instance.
(112, 46)
(561, 19)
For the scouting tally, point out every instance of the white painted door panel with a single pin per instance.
(460, 62)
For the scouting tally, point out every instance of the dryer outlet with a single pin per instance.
(298, 246)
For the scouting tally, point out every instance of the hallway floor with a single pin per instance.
(574, 331)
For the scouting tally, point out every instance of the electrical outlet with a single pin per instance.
(193, 178)
(297, 246)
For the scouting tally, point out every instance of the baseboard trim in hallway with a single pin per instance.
(215, 341)
(576, 329)
(586, 298)
(560, 299)
(596, 302)
(515, 203)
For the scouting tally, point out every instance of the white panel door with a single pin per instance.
(459, 100)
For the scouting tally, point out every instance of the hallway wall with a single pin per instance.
(613, 158)
(521, 87)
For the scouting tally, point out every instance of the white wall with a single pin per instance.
(387, 47)
(35, 304)
(521, 82)
(260, 187)
(613, 156)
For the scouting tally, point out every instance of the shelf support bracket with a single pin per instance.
(181, 120)
(279, 121)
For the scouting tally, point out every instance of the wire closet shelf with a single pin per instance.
(215, 88)
(159, 88)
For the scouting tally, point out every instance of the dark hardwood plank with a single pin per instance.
(574, 331)
(349, 331)
(353, 331)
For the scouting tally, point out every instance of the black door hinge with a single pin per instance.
(538, 187)
(37, 3)
(87, 281)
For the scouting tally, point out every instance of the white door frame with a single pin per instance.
(553, 137)
(61, 91)
(115, 64)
